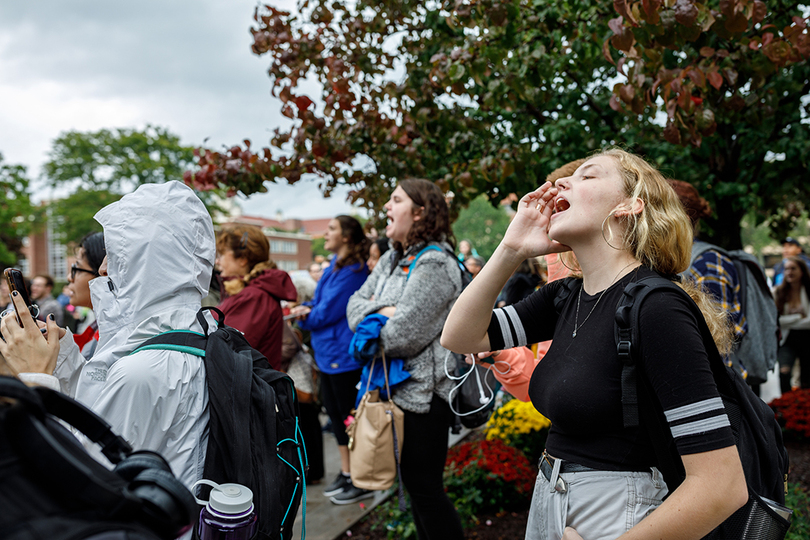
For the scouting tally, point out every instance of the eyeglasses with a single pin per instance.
(76, 268)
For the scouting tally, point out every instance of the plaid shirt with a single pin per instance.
(717, 275)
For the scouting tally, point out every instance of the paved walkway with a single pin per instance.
(327, 521)
(324, 520)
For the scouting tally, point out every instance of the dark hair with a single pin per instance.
(48, 280)
(94, 249)
(382, 244)
(356, 240)
(246, 241)
(792, 241)
(429, 203)
(782, 289)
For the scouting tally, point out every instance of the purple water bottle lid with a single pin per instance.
(229, 499)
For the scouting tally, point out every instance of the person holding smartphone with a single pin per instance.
(160, 254)
(32, 347)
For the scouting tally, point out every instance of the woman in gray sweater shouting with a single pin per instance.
(415, 288)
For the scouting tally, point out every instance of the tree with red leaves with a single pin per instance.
(488, 96)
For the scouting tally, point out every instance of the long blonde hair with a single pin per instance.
(660, 236)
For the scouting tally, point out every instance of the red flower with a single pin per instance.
(793, 412)
(496, 459)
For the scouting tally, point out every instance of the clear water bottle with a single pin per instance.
(228, 514)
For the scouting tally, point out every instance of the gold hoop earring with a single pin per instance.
(562, 262)
(604, 221)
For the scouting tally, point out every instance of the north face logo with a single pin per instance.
(97, 375)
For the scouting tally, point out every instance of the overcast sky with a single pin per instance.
(181, 64)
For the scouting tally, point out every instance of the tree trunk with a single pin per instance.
(726, 227)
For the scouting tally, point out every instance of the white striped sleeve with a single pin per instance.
(697, 418)
(511, 327)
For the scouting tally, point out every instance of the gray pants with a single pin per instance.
(598, 504)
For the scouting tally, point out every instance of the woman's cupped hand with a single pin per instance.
(527, 235)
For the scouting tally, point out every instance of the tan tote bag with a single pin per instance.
(375, 438)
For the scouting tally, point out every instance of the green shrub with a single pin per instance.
(395, 522)
(798, 500)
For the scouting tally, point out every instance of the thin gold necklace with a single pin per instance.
(579, 299)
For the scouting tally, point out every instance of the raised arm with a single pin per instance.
(465, 330)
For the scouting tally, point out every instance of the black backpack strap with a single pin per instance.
(41, 401)
(567, 287)
(14, 388)
(626, 324)
(114, 447)
(176, 340)
(204, 323)
(640, 400)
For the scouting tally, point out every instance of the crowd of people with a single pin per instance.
(609, 220)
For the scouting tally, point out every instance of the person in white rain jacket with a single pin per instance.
(160, 255)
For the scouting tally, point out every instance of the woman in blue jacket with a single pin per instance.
(325, 318)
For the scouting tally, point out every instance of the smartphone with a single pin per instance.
(487, 360)
(16, 282)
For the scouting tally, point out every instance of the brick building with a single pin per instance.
(290, 246)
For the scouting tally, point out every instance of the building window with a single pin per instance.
(287, 266)
(57, 251)
(282, 246)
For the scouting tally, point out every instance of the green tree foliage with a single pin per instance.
(117, 160)
(318, 248)
(489, 96)
(101, 166)
(75, 212)
(731, 77)
(17, 214)
(482, 224)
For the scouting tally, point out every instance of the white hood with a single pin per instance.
(160, 255)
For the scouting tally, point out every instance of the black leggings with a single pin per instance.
(423, 455)
(339, 392)
(797, 345)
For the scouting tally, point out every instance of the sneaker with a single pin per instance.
(341, 484)
(351, 495)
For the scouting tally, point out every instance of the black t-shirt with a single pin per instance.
(577, 385)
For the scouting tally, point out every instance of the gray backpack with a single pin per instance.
(757, 349)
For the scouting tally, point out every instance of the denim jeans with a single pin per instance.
(598, 504)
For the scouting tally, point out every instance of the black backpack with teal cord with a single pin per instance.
(254, 433)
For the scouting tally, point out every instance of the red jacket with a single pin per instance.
(256, 312)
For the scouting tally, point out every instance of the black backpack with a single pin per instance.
(254, 435)
(52, 489)
(756, 431)
(756, 352)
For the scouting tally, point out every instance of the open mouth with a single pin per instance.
(561, 205)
